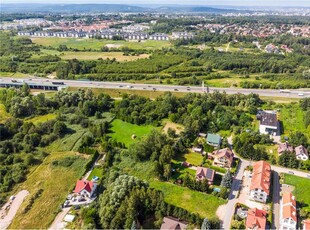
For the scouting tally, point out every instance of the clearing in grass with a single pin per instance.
(169, 124)
(127, 133)
(51, 184)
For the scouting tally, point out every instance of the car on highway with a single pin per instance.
(308, 175)
(120, 86)
(154, 89)
(291, 172)
(300, 94)
(176, 90)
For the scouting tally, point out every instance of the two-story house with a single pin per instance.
(288, 214)
(301, 153)
(260, 183)
(205, 173)
(223, 157)
(256, 219)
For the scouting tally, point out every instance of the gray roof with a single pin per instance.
(269, 119)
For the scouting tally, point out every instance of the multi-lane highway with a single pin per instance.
(299, 93)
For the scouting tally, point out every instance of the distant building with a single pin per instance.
(260, 183)
(285, 147)
(301, 153)
(159, 37)
(205, 173)
(182, 35)
(214, 139)
(256, 219)
(269, 123)
(306, 224)
(223, 158)
(288, 214)
(137, 36)
(85, 187)
(25, 33)
(170, 223)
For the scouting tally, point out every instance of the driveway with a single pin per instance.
(58, 221)
(13, 206)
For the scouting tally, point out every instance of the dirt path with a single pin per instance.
(6, 219)
(57, 223)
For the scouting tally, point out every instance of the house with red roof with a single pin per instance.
(223, 157)
(256, 219)
(85, 187)
(205, 173)
(260, 183)
(288, 213)
(306, 224)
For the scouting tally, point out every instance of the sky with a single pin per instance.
(180, 2)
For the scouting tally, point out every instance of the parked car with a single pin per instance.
(81, 199)
(76, 207)
(291, 172)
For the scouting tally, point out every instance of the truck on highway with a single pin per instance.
(284, 91)
(58, 83)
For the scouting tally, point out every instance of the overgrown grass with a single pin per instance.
(98, 44)
(4, 115)
(41, 119)
(192, 158)
(123, 131)
(302, 187)
(56, 182)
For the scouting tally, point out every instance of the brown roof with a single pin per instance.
(289, 206)
(172, 224)
(299, 150)
(261, 176)
(285, 147)
(227, 153)
(256, 219)
(205, 173)
(269, 119)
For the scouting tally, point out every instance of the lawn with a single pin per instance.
(93, 55)
(197, 202)
(192, 158)
(96, 44)
(123, 131)
(4, 115)
(169, 124)
(13, 75)
(302, 187)
(41, 119)
(57, 182)
(97, 171)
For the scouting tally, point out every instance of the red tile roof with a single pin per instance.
(205, 173)
(261, 176)
(227, 153)
(289, 206)
(307, 224)
(83, 184)
(256, 219)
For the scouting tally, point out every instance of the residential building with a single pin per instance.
(85, 187)
(171, 223)
(223, 157)
(205, 173)
(25, 33)
(301, 153)
(159, 37)
(260, 183)
(285, 147)
(137, 36)
(288, 214)
(182, 35)
(214, 139)
(256, 219)
(269, 123)
(306, 224)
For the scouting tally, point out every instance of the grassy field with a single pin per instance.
(302, 187)
(169, 124)
(192, 158)
(97, 171)
(4, 115)
(203, 204)
(93, 55)
(41, 119)
(56, 182)
(98, 44)
(14, 75)
(123, 131)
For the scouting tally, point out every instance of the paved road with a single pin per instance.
(232, 199)
(19, 198)
(287, 170)
(299, 93)
(276, 201)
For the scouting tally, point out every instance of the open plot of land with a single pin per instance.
(41, 119)
(192, 158)
(169, 124)
(56, 182)
(4, 115)
(119, 56)
(302, 187)
(13, 75)
(98, 44)
(123, 131)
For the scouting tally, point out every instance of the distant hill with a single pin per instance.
(69, 8)
(197, 9)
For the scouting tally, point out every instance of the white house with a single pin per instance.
(85, 187)
(288, 214)
(269, 123)
(301, 153)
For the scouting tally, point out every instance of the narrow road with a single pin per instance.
(276, 201)
(56, 225)
(232, 199)
(16, 203)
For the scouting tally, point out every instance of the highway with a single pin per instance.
(296, 93)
